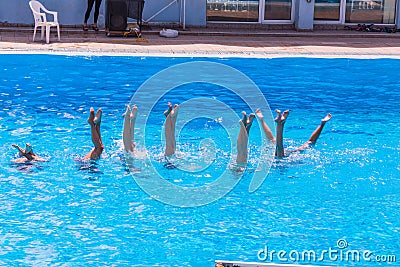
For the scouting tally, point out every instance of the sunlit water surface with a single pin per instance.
(62, 212)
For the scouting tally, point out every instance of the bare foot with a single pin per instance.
(281, 117)
(91, 116)
(97, 119)
(251, 118)
(168, 111)
(243, 121)
(278, 115)
(134, 112)
(259, 114)
(327, 118)
(285, 115)
(127, 111)
(250, 122)
(174, 112)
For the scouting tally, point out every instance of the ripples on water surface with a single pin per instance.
(61, 211)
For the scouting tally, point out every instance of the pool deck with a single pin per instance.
(215, 42)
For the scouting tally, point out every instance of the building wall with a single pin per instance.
(304, 15)
(71, 12)
(18, 11)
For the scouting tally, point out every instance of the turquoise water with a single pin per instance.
(62, 212)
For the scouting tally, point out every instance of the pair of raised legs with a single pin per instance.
(280, 120)
(243, 138)
(171, 115)
(129, 128)
(169, 129)
(95, 122)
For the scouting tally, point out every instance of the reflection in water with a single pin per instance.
(237, 10)
(91, 166)
(27, 167)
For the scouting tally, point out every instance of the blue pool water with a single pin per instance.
(64, 213)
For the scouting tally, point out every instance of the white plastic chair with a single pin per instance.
(41, 20)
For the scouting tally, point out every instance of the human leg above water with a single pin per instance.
(267, 130)
(94, 123)
(315, 135)
(280, 122)
(243, 138)
(169, 129)
(129, 126)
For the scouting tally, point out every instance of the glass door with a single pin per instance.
(327, 10)
(277, 11)
(355, 11)
(371, 11)
(232, 10)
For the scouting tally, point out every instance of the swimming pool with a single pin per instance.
(60, 212)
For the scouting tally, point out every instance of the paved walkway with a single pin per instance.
(215, 43)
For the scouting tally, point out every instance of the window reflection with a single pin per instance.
(356, 11)
(370, 11)
(235, 11)
(327, 10)
(278, 9)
